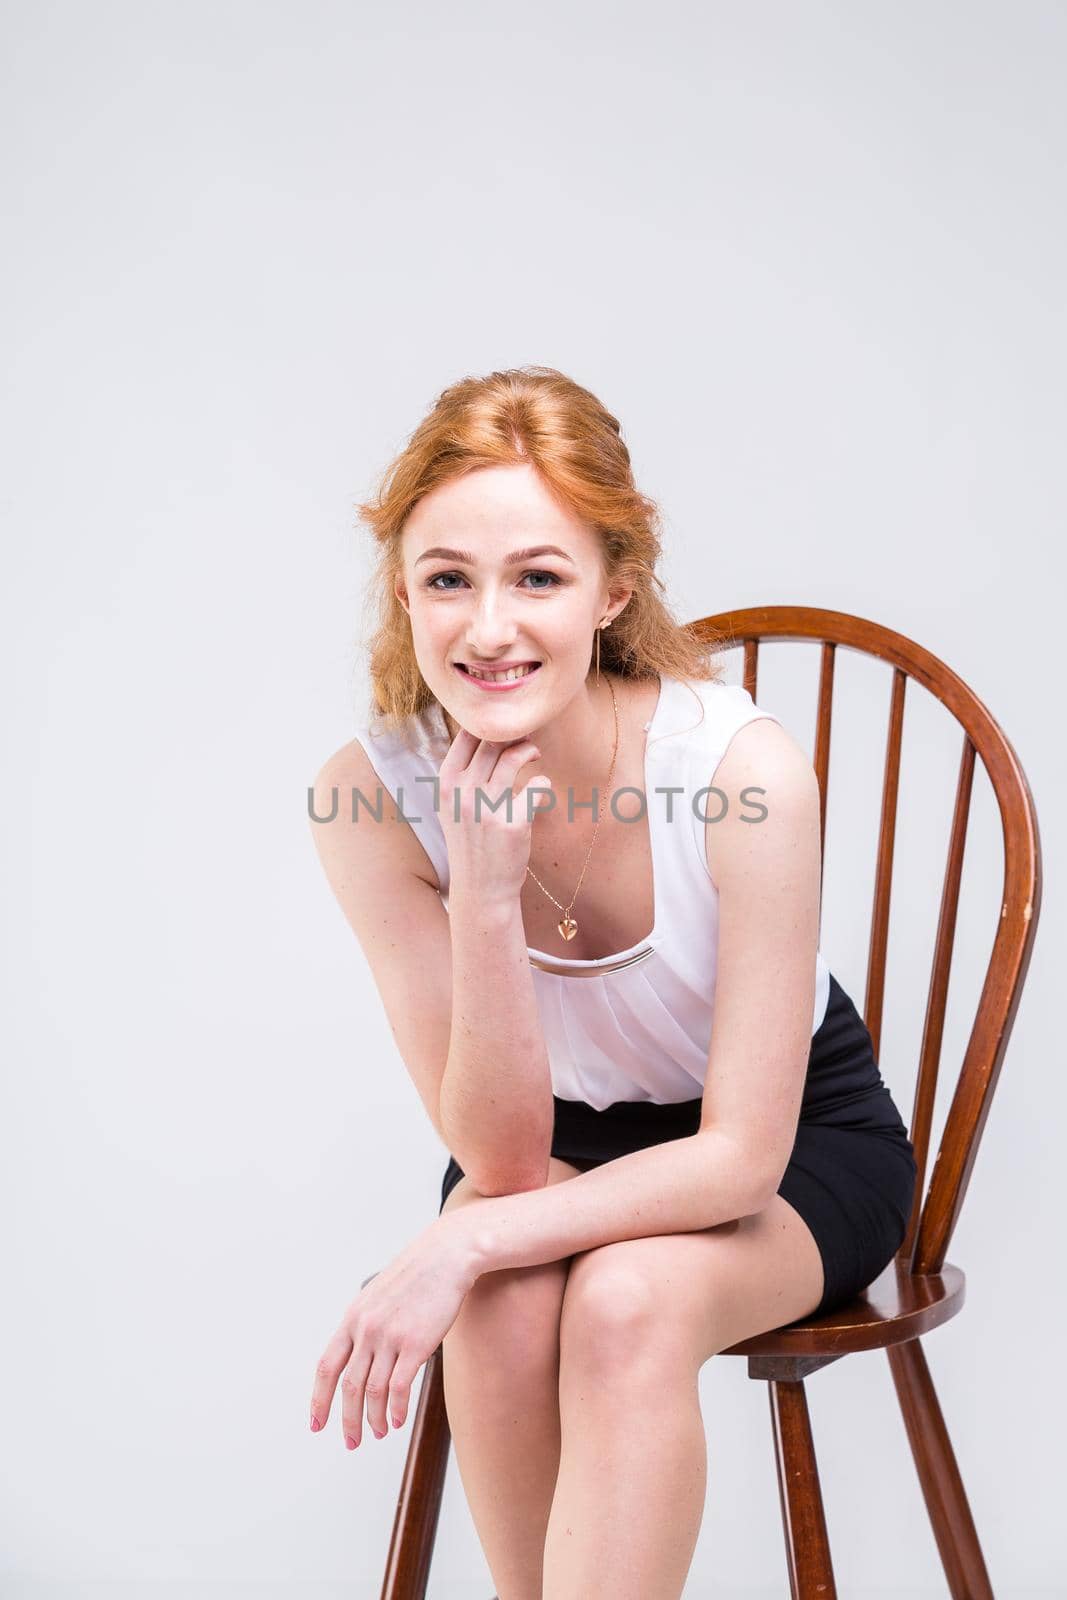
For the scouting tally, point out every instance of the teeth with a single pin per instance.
(502, 677)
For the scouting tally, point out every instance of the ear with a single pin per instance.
(618, 599)
(400, 590)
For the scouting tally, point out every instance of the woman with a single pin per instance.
(629, 852)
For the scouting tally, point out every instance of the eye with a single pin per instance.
(553, 582)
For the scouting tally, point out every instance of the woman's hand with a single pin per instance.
(392, 1327)
(489, 851)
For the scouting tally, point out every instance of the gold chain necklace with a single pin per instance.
(567, 926)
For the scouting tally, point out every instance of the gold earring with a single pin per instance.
(603, 625)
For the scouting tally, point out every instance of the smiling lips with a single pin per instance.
(511, 678)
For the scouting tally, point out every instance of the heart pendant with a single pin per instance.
(568, 928)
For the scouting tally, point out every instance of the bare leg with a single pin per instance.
(632, 1480)
(639, 1319)
(500, 1363)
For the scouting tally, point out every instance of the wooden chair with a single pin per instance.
(919, 1290)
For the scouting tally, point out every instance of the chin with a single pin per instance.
(500, 729)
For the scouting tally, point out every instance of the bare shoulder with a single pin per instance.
(770, 804)
(764, 746)
(389, 845)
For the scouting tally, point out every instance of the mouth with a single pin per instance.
(498, 682)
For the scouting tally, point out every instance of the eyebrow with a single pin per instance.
(465, 558)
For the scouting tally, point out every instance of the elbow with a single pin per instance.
(764, 1188)
(511, 1161)
(763, 1178)
(761, 1199)
(494, 1184)
(496, 1172)
(752, 1179)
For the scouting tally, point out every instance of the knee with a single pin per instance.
(612, 1322)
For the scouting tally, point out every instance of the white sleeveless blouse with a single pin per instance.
(635, 1025)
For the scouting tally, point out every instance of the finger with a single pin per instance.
(473, 761)
(537, 796)
(482, 761)
(510, 762)
(515, 755)
(331, 1365)
(400, 1390)
(494, 767)
(352, 1385)
(459, 752)
(377, 1389)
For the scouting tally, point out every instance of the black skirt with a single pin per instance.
(852, 1171)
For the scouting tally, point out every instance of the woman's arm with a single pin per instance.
(677, 1187)
(496, 1093)
(456, 988)
(380, 876)
(767, 876)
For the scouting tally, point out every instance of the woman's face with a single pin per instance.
(473, 605)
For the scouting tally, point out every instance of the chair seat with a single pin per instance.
(896, 1307)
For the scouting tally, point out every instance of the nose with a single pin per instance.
(490, 627)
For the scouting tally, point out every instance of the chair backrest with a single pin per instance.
(933, 1219)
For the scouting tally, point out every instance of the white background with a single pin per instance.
(812, 255)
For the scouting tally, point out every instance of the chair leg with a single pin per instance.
(807, 1548)
(942, 1486)
(419, 1505)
